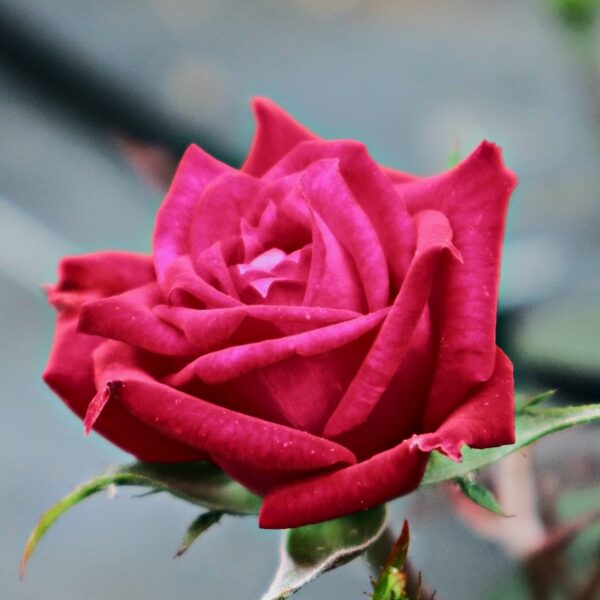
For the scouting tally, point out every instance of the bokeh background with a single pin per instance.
(97, 101)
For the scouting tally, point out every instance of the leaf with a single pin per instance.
(479, 494)
(309, 551)
(392, 582)
(523, 401)
(75, 497)
(532, 423)
(197, 528)
(197, 482)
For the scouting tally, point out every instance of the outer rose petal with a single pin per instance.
(90, 276)
(70, 374)
(399, 412)
(276, 134)
(348, 490)
(171, 233)
(486, 419)
(128, 317)
(474, 196)
(220, 432)
(385, 357)
(399, 177)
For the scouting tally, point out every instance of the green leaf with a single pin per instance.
(75, 497)
(197, 482)
(391, 584)
(479, 494)
(197, 528)
(532, 423)
(523, 401)
(309, 551)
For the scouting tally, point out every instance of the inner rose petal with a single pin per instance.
(267, 260)
(327, 193)
(276, 276)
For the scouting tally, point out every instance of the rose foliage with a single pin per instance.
(313, 323)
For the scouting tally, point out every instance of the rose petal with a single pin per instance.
(398, 414)
(212, 267)
(70, 375)
(171, 233)
(128, 317)
(370, 187)
(474, 196)
(284, 222)
(276, 134)
(273, 277)
(329, 196)
(181, 278)
(332, 280)
(398, 177)
(229, 363)
(218, 212)
(434, 237)
(485, 419)
(345, 491)
(220, 432)
(89, 276)
(318, 382)
(208, 329)
(96, 406)
(274, 290)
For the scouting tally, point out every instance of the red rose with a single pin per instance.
(313, 323)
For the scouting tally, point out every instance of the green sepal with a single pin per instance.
(532, 423)
(309, 551)
(479, 494)
(198, 526)
(197, 482)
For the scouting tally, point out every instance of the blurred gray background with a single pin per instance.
(93, 93)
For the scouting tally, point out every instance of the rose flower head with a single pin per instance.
(313, 323)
